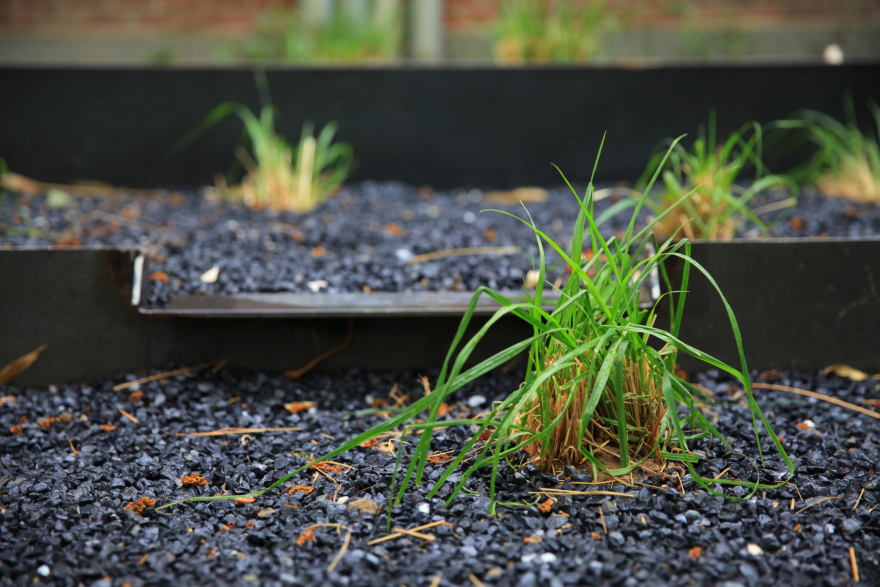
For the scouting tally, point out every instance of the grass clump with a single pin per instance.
(847, 161)
(279, 175)
(534, 31)
(717, 206)
(344, 37)
(601, 389)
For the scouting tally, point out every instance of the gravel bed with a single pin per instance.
(357, 241)
(63, 487)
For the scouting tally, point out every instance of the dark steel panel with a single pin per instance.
(800, 303)
(447, 127)
(80, 302)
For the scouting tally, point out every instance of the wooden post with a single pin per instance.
(427, 29)
(354, 9)
(316, 12)
(385, 11)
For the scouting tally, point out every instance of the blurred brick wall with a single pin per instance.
(466, 14)
(225, 17)
(235, 17)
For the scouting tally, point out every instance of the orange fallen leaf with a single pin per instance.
(213, 552)
(6, 399)
(245, 499)
(491, 235)
(305, 536)
(444, 409)
(46, 422)
(596, 536)
(136, 396)
(806, 425)
(228, 527)
(523, 194)
(304, 489)
(159, 276)
(796, 223)
(696, 552)
(846, 371)
(326, 467)
(20, 365)
(297, 407)
(18, 429)
(68, 240)
(439, 458)
(318, 252)
(546, 507)
(369, 443)
(250, 524)
(108, 427)
(386, 448)
(533, 539)
(393, 229)
(140, 504)
(193, 479)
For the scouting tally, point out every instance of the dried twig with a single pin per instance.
(416, 534)
(819, 396)
(183, 371)
(341, 552)
(399, 534)
(227, 430)
(20, 365)
(571, 492)
(297, 373)
(20, 183)
(818, 501)
(463, 252)
(855, 564)
(859, 499)
(127, 415)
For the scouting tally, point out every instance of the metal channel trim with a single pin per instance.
(291, 305)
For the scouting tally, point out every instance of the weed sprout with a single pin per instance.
(279, 175)
(717, 206)
(597, 392)
(847, 162)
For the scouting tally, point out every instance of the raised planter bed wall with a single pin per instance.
(443, 127)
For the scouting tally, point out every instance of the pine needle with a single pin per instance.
(818, 396)
(341, 552)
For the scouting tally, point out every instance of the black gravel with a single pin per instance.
(63, 522)
(360, 239)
